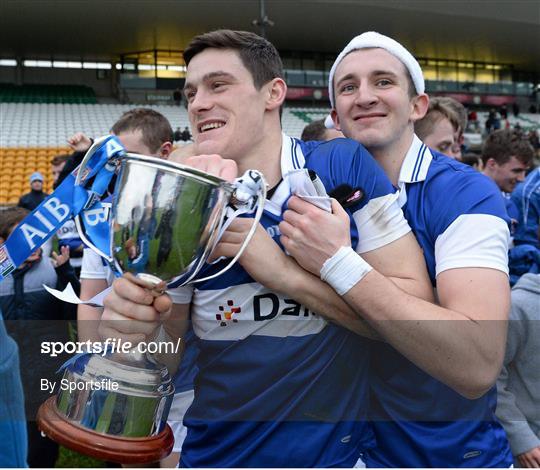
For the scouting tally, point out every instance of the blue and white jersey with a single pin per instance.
(68, 235)
(526, 197)
(279, 386)
(459, 219)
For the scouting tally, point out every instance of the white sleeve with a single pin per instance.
(92, 266)
(181, 295)
(473, 241)
(379, 223)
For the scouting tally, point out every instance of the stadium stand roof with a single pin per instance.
(499, 31)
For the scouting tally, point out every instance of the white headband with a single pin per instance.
(372, 39)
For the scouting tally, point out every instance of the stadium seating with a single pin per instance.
(32, 133)
(46, 94)
(295, 119)
(49, 125)
(16, 166)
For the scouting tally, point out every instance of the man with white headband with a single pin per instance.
(432, 392)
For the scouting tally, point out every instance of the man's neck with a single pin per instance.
(391, 157)
(265, 157)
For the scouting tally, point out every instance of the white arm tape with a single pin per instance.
(344, 270)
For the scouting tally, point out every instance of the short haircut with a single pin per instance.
(9, 218)
(155, 128)
(59, 159)
(504, 144)
(258, 55)
(458, 109)
(471, 159)
(438, 109)
(315, 130)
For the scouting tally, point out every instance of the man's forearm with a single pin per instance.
(319, 297)
(447, 344)
(88, 322)
(173, 329)
(169, 359)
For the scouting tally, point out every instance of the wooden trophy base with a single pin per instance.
(129, 450)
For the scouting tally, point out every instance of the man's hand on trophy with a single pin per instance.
(132, 312)
(214, 165)
(263, 259)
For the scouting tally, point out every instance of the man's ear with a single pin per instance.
(277, 90)
(165, 150)
(490, 164)
(335, 118)
(420, 105)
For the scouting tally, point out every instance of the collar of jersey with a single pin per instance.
(292, 158)
(416, 163)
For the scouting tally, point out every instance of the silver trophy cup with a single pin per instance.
(166, 219)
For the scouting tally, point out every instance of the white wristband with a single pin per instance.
(344, 270)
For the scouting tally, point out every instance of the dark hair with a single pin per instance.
(10, 217)
(504, 144)
(315, 130)
(438, 109)
(156, 129)
(258, 55)
(59, 159)
(471, 159)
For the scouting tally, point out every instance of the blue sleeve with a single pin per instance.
(462, 192)
(376, 219)
(345, 161)
(13, 440)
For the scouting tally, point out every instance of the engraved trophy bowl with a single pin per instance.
(165, 220)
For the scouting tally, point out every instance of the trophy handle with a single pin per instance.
(87, 242)
(256, 178)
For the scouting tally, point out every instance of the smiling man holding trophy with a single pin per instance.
(277, 385)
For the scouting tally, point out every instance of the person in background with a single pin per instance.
(463, 119)
(57, 165)
(67, 235)
(177, 136)
(438, 129)
(526, 197)
(524, 257)
(142, 131)
(506, 156)
(316, 130)
(177, 96)
(36, 195)
(34, 316)
(13, 437)
(472, 159)
(186, 135)
(518, 405)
